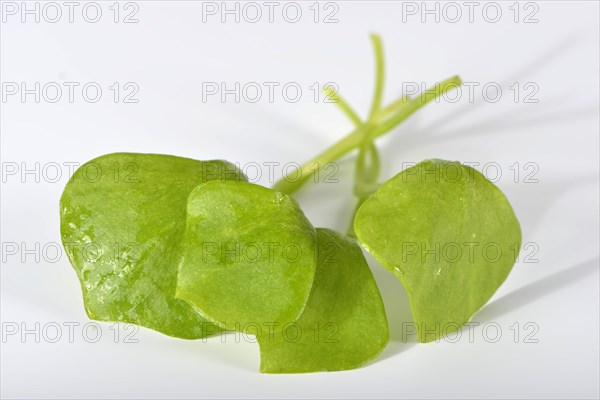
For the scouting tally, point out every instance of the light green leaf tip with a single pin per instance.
(248, 255)
(343, 325)
(122, 219)
(448, 234)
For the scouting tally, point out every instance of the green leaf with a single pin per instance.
(122, 220)
(448, 234)
(343, 325)
(248, 255)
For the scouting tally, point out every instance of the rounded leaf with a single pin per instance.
(343, 325)
(122, 218)
(448, 234)
(248, 255)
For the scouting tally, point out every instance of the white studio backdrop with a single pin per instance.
(238, 81)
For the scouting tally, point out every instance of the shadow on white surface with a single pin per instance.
(414, 134)
(526, 72)
(532, 202)
(397, 308)
(538, 289)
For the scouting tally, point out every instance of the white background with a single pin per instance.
(171, 51)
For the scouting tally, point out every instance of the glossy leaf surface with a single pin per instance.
(122, 220)
(248, 255)
(343, 325)
(448, 234)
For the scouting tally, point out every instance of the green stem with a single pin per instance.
(356, 139)
(368, 163)
(343, 105)
(379, 75)
(394, 106)
(333, 153)
(415, 104)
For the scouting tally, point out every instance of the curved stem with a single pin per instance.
(379, 75)
(368, 165)
(368, 160)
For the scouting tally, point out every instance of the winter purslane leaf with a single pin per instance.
(248, 255)
(122, 222)
(448, 234)
(343, 325)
